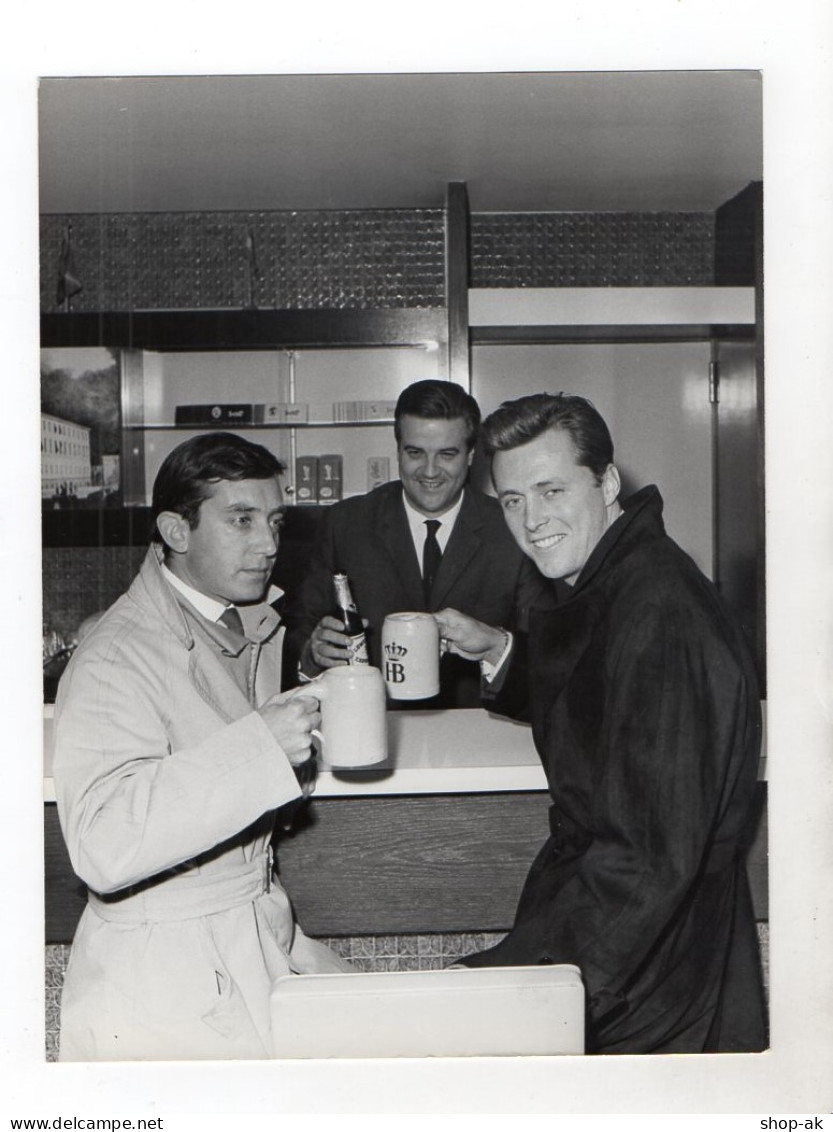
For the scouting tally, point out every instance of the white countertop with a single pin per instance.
(465, 751)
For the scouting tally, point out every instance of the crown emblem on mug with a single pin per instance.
(395, 650)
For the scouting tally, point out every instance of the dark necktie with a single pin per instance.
(231, 619)
(431, 555)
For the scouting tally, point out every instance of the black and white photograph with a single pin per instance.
(414, 694)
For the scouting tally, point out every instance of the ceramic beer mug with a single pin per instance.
(353, 730)
(411, 652)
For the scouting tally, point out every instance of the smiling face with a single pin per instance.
(231, 552)
(434, 462)
(555, 508)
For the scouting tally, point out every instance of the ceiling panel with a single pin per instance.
(650, 141)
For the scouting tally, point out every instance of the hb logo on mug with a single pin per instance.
(411, 646)
(394, 667)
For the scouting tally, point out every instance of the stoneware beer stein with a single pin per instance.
(411, 656)
(353, 730)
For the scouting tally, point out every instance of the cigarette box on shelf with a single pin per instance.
(215, 414)
(329, 478)
(378, 471)
(352, 412)
(284, 413)
(306, 479)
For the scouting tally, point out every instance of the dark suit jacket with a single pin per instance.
(482, 573)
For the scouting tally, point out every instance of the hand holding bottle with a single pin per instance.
(338, 639)
(329, 645)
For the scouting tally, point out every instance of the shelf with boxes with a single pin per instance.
(170, 358)
(297, 403)
(275, 415)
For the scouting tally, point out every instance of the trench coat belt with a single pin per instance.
(188, 895)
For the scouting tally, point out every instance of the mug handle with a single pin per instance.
(318, 692)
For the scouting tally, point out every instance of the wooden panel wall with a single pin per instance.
(394, 865)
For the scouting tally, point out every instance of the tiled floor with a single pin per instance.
(368, 953)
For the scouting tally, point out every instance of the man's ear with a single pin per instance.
(611, 484)
(175, 531)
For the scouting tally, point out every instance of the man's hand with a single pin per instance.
(469, 638)
(328, 645)
(291, 717)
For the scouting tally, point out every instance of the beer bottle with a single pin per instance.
(353, 627)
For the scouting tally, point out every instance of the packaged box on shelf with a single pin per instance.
(329, 478)
(379, 410)
(306, 479)
(351, 412)
(378, 471)
(215, 414)
(284, 413)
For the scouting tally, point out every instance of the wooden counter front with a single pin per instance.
(438, 840)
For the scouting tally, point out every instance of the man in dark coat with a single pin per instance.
(646, 715)
(378, 541)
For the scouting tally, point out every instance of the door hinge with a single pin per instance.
(714, 383)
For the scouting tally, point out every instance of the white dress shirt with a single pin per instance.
(416, 522)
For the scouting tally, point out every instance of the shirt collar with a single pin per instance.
(209, 607)
(416, 521)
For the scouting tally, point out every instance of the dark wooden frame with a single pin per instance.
(244, 329)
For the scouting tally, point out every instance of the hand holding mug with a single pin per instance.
(292, 717)
(411, 655)
(469, 638)
(351, 726)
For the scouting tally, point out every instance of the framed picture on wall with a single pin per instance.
(80, 429)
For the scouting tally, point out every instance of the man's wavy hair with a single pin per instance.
(187, 474)
(433, 399)
(515, 423)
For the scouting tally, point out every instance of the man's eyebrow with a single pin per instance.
(248, 508)
(518, 491)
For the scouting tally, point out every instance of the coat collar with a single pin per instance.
(207, 673)
(559, 637)
(641, 519)
(151, 590)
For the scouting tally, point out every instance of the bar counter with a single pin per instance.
(437, 839)
(430, 752)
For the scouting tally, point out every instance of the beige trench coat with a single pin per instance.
(167, 782)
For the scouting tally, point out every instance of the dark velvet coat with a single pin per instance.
(482, 573)
(646, 715)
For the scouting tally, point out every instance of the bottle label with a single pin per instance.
(357, 650)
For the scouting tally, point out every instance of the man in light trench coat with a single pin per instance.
(173, 752)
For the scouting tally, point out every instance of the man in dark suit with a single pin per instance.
(419, 544)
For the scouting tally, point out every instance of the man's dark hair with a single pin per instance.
(517, 422)
(185, 478)
(438, 400)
